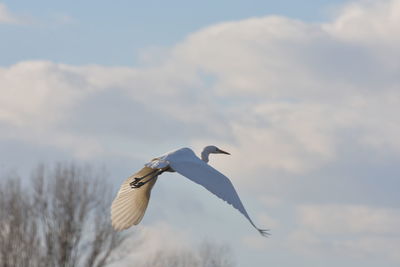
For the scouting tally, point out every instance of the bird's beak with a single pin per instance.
(223, 152)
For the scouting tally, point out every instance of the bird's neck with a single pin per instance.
(204, 155)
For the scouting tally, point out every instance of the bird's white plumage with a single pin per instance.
(157, 163)
(185, 162)
(130, 203)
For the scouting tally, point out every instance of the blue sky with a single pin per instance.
(114, 33)
(304, 95)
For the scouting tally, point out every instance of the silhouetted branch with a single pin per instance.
(207, 255)
(61, 221)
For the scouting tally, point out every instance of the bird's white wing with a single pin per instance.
(130, 204)
(185, 162)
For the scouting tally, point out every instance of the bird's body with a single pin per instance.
(130, 204)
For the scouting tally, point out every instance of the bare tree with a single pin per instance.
(61, 221)
(175, 258)
(19, 238)
(214, 255)
(207, 255)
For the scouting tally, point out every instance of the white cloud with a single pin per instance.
(368, 22)
(38, 92)
(349, 219)
(146, 241)
(373, 247)
(293, 91)
(292, 101)
(281, 94)
(6, 17)
(353, 231)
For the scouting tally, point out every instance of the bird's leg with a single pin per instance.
(139, 184)
(138, 179)
(136, 183)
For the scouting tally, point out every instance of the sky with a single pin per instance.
(305, 96)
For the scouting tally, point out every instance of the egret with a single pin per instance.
(130, 204)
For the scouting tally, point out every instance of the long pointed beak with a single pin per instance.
(223, 152)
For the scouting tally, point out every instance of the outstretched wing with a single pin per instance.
(185, 162)
(130, 204)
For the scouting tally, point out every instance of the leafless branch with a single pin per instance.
(62, 220)
(207, 255)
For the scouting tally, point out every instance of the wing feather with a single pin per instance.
(185, 162)
(130, 204)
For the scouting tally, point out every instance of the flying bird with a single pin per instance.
(130, 204)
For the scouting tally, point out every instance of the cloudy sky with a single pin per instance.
(305, 96)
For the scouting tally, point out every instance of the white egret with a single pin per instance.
(131, 201)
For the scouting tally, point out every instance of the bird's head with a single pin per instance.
(211, 150)
(214, 150)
